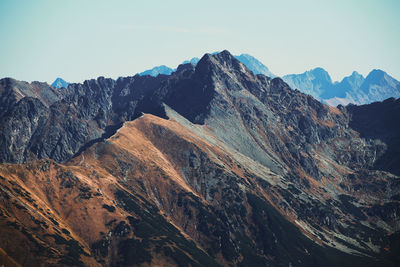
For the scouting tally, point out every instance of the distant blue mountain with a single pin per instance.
(345, 92)
(313, 82)
(356, 89)
(60, 83)
(158, 70)
(193, 61)
(379, 85)
(254, 65)
(349, 83)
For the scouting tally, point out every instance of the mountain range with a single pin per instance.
(212, 165)
(353, 89)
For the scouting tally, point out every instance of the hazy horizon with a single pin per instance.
(43, 40)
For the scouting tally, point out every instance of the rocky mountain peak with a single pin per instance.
(356, 74)
(322, 74)
(6, 81)
(185, 68)
(379, 85)
(376, 76)
(223, 72)
(223, 61)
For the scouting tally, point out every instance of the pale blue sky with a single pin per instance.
(78, 40)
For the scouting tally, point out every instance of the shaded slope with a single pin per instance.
(380, 121)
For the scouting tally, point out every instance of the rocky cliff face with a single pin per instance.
(11, 91)
(379, 121)
(224, 168)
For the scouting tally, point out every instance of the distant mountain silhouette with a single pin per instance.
(158, 70)
(313, 82)
(255, 65)
(60, 83)
(356, 89)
